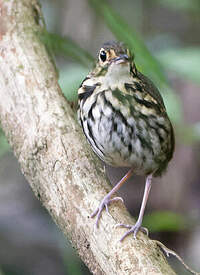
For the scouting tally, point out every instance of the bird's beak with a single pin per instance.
(123, 58)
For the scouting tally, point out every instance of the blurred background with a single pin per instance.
(164, 35)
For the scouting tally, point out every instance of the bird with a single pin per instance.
(124, 119)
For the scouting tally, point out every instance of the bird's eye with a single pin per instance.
(103, 56)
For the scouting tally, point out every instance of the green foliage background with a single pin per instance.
(182, 61)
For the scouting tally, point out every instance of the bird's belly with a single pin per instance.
(123, 145)
(123, 138)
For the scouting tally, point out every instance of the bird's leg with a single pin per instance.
(107, 199)
(138, 226)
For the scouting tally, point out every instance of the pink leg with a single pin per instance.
(107, 200)
(138, 226)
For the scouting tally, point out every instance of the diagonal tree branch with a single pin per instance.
(54, 157)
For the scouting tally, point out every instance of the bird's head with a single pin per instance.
(114, 58)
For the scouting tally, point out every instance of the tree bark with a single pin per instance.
(54, 156)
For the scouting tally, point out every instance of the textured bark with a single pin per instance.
(54, 156)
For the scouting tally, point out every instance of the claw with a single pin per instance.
(107, 210)
(105, 202)
(94, 213)
(132, 229)
(117, 199)
(135, 228)
(123, 225)
(145, 230)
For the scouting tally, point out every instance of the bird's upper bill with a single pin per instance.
(123, 58)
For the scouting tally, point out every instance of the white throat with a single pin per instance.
(116, 75)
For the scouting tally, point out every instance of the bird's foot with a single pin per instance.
(133, 229)
(104, 203)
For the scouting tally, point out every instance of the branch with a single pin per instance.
(54, 156)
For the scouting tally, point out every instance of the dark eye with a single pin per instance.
(103, 56)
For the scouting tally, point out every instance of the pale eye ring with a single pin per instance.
(103, 56)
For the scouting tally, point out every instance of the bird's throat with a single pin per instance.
(116, 74)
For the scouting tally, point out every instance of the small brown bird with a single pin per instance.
(125, 121)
